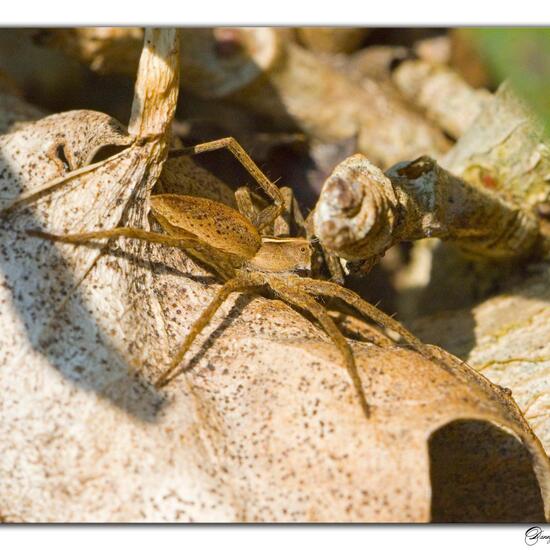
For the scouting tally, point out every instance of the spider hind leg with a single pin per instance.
(332, 290)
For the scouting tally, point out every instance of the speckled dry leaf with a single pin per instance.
(506, 339)
(265, 426)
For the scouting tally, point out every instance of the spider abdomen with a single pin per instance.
(212, 223)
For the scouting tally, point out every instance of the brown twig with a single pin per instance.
(362, 212)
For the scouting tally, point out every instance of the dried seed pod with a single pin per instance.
(331, 39)
(441, 93)
(362, 212)
(356, 213)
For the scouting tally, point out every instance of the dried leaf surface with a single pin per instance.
(506, 339)
(264, 427)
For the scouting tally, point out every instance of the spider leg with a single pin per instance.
(191, 245)
(291, 215)
(248, 205)
(326, 288)
(307, 303)
(334, 266)
(332, 261)
(239, 283)
(268, 214)
(245, 205)
(130, 232)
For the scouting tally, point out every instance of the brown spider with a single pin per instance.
(231, 244)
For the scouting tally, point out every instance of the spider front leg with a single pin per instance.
(304, 227)
(208, 254)
(239, 283)
(130, 232)
(288, 294)
(283, 226)
(268, 215)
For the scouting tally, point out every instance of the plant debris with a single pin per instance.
(264, 425)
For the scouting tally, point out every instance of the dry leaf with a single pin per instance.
(264, 426)
(506, 339)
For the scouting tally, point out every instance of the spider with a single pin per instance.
(230, 242)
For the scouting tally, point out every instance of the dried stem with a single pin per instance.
(156, 89)
(153, 108)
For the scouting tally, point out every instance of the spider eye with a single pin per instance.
(302, 249)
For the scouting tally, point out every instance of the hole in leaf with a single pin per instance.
(105, 152)
(60, 153)
(480, 473)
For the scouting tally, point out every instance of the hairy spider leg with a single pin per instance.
(130, 232)
(282, 225)
(268, 215)
(245, 206)
(332, 290)
(208, 254)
